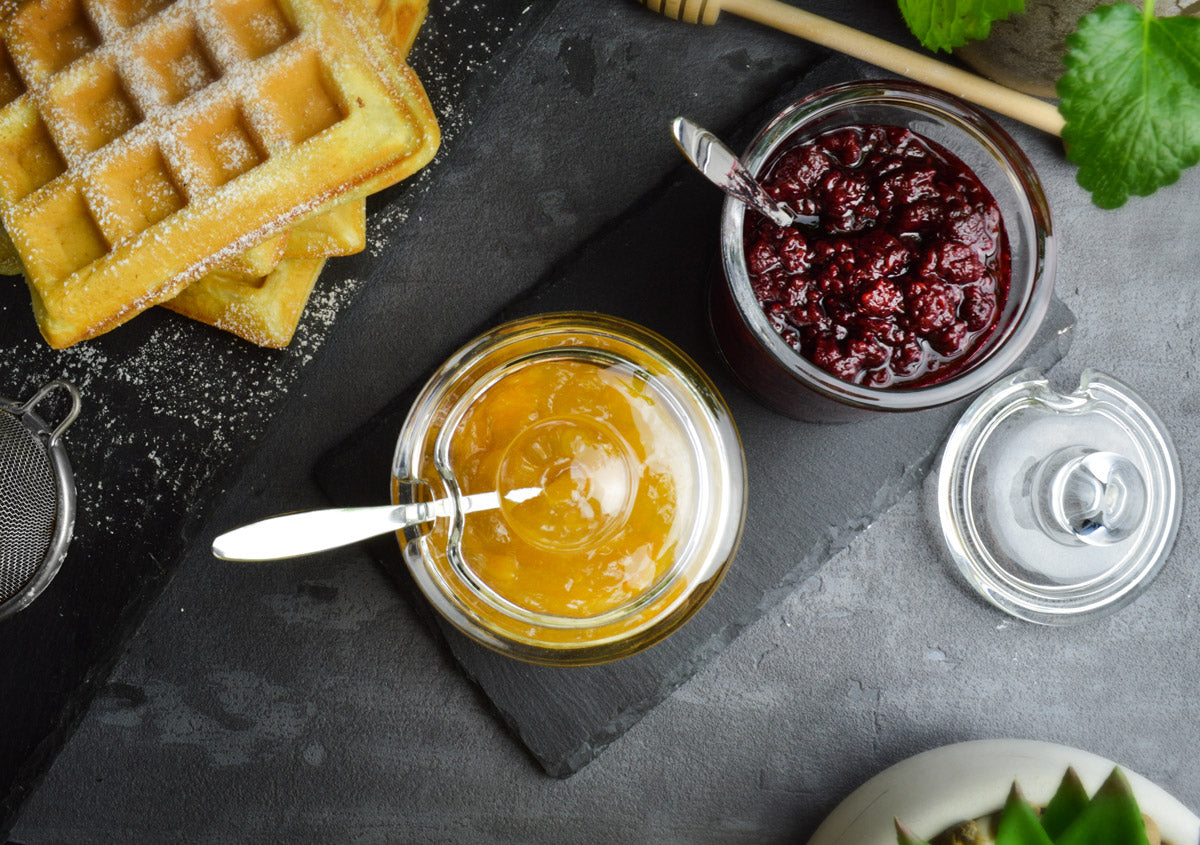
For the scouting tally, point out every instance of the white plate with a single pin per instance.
(933, 790)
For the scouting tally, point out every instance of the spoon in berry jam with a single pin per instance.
(718, 163)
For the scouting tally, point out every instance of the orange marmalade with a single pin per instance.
(590, 487)
(600, 469)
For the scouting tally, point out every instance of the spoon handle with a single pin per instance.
(306, 532)
(718, 163)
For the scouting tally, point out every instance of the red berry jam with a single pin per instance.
(906, 273)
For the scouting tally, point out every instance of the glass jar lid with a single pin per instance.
(1059, 507)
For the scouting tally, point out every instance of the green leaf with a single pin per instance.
(1019, 824)
(946, 24)
(1131, 100)
(1112, 817)
(1068, 803)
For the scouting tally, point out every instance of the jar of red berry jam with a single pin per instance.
(920, 270)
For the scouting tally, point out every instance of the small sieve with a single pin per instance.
(37, 498)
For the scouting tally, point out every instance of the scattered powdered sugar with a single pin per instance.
(167, 402)
(477, 30)
(170, 404)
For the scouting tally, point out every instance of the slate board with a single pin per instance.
(171, 408)
(650, 266)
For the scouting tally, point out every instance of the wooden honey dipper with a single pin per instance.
(844, 39)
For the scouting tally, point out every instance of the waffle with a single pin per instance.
(341, 231)
(400, 20)
(257, 305)
(145, 142)
(10, 261)
(263, 310)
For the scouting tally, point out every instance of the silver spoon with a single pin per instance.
(307, 532)
(718, 163)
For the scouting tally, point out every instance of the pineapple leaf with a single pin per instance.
(1111, 818)
(1068, 803)
(1019, 824)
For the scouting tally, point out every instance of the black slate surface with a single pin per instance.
(171, 409)
(650, 266)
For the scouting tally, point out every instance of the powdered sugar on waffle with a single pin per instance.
(204, 154)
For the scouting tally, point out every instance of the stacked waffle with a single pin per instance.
(205, 155)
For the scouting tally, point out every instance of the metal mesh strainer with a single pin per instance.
(37, 498)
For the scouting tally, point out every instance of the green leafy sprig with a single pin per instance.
(1131, 100)
(946, 24)
(1130, 93)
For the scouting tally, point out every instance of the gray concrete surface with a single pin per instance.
(304, 701)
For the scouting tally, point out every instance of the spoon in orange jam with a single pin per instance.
(308, 532)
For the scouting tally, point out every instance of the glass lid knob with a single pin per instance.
(1086, 496)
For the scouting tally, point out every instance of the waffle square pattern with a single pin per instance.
(145, 143)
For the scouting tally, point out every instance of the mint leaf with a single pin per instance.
(946, 24)
(1131, 100)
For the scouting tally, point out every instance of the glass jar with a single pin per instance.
(596, 488)
(785, 380)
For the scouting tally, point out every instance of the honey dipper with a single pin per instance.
(1039, 114)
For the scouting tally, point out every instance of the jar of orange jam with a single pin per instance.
(594, 486)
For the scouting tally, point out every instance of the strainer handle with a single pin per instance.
(46, 389)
